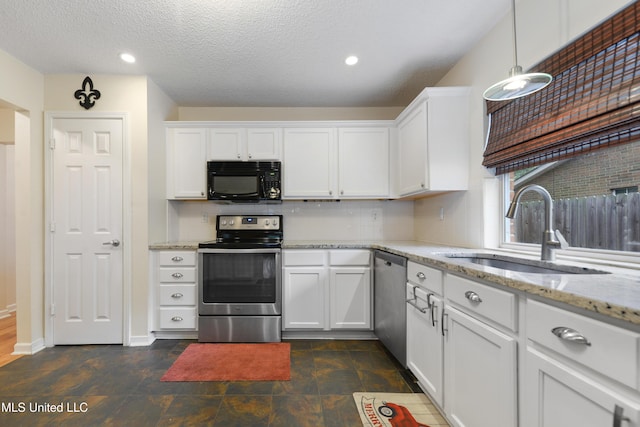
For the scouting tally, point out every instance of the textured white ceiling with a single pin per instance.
(253, 53)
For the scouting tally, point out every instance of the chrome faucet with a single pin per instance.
(549, 241)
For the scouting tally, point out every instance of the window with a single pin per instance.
(596, 200)
(580, 139)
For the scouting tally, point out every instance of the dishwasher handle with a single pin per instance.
(389, 258)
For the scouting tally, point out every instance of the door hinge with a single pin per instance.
(52, 144)
(53, 309)
(52, 227)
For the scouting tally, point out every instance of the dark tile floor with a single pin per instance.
(120, 386)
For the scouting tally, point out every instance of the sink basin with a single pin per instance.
(521, 265)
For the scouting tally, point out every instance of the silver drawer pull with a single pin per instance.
(177, 295)
(569, 334)
(177, 258)
(177, 319)
(472, 296)
(177, 275)
(420, 275)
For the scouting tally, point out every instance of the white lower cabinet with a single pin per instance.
(480, 373)
(558, 396)
(326, 289)
(304, 291)
(579, 371)
(174, 281)
(424, 340)
(461, 348)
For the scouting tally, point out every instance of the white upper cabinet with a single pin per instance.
(335, 163)
(433, 142)
(226, 143)
(309, 163)
(186, 165)
(363, 162)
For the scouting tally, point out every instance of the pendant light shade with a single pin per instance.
(518, 84)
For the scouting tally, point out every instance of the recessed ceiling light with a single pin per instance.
(128, 58)
(351, 60)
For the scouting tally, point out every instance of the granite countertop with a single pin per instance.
(615, 295)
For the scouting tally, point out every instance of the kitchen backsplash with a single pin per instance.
(313, 220)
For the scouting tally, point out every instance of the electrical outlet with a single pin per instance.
(205, 217)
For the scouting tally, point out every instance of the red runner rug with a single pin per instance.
(232, 362)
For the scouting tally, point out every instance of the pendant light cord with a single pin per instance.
(515, 35)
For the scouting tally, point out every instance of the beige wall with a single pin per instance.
(161, 109)
(122, 94)
(473, 218)
(285, 114)
(22, 88)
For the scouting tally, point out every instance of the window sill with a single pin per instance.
(626, 260)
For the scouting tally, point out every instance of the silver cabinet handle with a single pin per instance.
(618, 418)
(177, 258)
(472, 296)
(571, 335)
(115, 243)
(443, 320)
(176, 319)
(434, 315)
(177, 295)
(177, 275)
(420, 275)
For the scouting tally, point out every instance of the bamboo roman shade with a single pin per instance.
(593, 102)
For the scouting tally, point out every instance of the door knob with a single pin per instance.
(115, 243)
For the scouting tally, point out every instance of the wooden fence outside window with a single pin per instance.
(609, 222)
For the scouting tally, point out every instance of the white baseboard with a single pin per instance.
(29, 348)
(142, 340)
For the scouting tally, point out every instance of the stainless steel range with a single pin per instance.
(240, 281)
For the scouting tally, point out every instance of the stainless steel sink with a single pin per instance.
(521, 265)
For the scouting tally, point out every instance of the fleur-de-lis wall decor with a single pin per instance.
(87, 94)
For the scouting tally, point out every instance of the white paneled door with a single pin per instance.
(86, 230)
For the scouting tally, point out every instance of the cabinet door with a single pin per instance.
(424, 341)
(309, 163)
(186, 164)
(350, 297)
(226, 144)
(264, 143)
(363, 162)
(480, 373)
(304, 291)
(412, 156)
(558, 396)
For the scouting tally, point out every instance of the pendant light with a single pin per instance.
(518, 84)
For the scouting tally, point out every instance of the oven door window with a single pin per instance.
(235, 185)
(239, 278)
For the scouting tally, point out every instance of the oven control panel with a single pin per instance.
(246, 222)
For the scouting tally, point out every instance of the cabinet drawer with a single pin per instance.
(176, 275)
(177, 258)
(427, 277)
(304, 258)
(491, 303)
(610, 350)
(349, 257)
(177, 318)
(178, 294)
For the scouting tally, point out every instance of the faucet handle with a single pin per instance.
(563, 242)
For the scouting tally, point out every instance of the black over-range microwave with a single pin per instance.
(244, 181)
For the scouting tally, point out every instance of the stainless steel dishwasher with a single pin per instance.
(390, 308)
